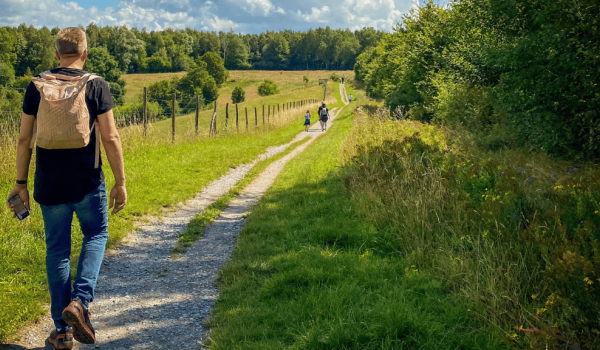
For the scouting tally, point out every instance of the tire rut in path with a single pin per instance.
(147, 300)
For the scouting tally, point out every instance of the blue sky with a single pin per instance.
(245, 16)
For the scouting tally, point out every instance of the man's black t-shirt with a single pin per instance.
(67, 175)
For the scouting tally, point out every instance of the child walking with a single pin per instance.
(307, 121)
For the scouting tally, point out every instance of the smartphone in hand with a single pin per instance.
(19, 207)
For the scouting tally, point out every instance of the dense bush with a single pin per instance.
(335, 77)
(305, 79)
(267, 87)
(530, 66)
(238, 95)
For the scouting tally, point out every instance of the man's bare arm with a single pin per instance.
(114, 152)
(23, 158)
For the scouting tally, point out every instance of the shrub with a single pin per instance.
(335, 77)
(267, 87)
(238, 95)
(305, 79)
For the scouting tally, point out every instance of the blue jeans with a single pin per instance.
(92, 213)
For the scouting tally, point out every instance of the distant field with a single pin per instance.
(248, 79)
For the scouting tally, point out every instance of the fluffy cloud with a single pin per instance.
(168, 13)
(316, 15)
(214, 15)
(258, 7)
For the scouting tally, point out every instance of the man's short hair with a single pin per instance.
(70, 42)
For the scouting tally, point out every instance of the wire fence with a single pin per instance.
(238, 117)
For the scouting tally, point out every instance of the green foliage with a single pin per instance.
(215, 67)
(335, 77)
(198, 81)
(102, 63)
(267, 87)
(530, 67)
(7, 74)
(274, 53)
(235, 53)
(238, 95)
(305, 79)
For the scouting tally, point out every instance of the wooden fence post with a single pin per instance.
(213, 121)
(173, 118)
(263, 114)
(145, 110)
(278, 108)
(269, 114)
(197, 112)
(226, 113)
(236, 117)
(246, 108)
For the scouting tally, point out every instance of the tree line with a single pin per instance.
(525, 71)
(113, 51)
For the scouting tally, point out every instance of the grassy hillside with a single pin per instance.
(287, 81)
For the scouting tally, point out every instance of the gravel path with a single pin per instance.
(147, 300)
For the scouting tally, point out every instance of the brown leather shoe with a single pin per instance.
(79, 319)
(61, 340)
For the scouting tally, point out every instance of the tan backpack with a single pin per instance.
(63, 119)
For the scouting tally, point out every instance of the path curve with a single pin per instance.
(147, 300)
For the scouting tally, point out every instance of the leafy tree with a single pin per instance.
(125, 47)
(274, 53)
(7, 74)
(238, 95)
(102, 63)
(215, 67)
(198, 81)
(235, 52)
(267, 87)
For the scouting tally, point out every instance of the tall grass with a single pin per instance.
(513, 233)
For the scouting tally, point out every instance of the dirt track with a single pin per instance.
(147, 300)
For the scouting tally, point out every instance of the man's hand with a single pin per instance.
(118, 199)
(23, 192)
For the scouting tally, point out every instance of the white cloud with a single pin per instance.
(245, 15)
(56, 13)
(316, 15)
(258, 7)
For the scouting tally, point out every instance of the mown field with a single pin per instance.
(159, 174)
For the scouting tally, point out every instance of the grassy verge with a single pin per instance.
(196, 227)
(511, 232)
(307, 273)
(160, 175)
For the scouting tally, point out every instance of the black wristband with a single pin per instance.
(21, 182)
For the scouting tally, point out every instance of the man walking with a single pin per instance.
(66, 111)
(323, 116)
